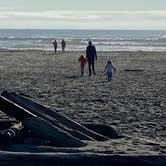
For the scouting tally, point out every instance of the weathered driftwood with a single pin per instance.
(44, 112)
(37, 149)
(21, 114)
(10, 135)
(5, 123)
(75, 159)
(47, 130)
(105, 130)
(14, 109)
(135, 70)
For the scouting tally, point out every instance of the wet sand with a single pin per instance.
(134, 102)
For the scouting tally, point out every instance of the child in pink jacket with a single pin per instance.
(82, 61)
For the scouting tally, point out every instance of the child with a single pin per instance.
(108, 69)
(82, 61)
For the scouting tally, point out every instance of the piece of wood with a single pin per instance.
(21, 114)
(5, 123)
(10, 135)
(41, 149)
(48, 131)
(78, 159)
(105, 130)
(135, 70)
(14, 110)
(42, 111)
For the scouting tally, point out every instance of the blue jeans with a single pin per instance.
(109, 76)
(91, 65)
(82, 70)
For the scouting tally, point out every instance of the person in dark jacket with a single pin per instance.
(91, 56)
(63, 44)
(55, 45)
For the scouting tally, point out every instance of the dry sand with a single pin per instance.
(133, 102)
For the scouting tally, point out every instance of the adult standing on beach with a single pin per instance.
(63, 44)
(55, 45)
(91, 56)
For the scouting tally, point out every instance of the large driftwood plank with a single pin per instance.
(37, 149)
(105, 130)
(6, 123)
(78, 159)
(135, 70)
(47, 130)
(9, 136)
(40, 110)
(20, 113)
(14, 109)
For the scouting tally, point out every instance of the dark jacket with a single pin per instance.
(91, 54)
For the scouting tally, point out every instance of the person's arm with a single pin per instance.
(105, 68)
(95, 53)
(87, 53)
(113, 67)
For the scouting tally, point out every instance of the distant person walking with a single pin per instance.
(108, 69)
(63, 45)
(82, 61)
(91, 56)
(55, 45)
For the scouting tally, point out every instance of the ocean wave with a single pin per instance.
(25, 38)
(78, 40)
(163, 36)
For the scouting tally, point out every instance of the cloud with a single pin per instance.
(74, 15)
(67, 15)
(85, 19)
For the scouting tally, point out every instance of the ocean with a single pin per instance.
(76, 40)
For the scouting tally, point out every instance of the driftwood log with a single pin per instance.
(81, 159)
(20, 113)
(47, 130)
(41, 127)
(5, 123)
(135, 70)
(105, 130)
(60, 121)
(41, 149)
(14, 110)
(9, 136)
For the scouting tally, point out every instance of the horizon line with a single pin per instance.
(83, 29)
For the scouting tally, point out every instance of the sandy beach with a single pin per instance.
(134, 102)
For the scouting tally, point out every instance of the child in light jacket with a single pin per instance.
(108, 69)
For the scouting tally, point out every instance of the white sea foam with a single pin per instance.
(76, 40)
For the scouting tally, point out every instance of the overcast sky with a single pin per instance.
(83, 14)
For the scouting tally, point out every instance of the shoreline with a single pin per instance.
(75, 51)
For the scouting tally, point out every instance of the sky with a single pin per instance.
(83, 14)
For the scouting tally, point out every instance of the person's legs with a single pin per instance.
(55, 49)
(63, 49)
(109, 76)
(93, 68)
(82, 70)
(89, 65)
